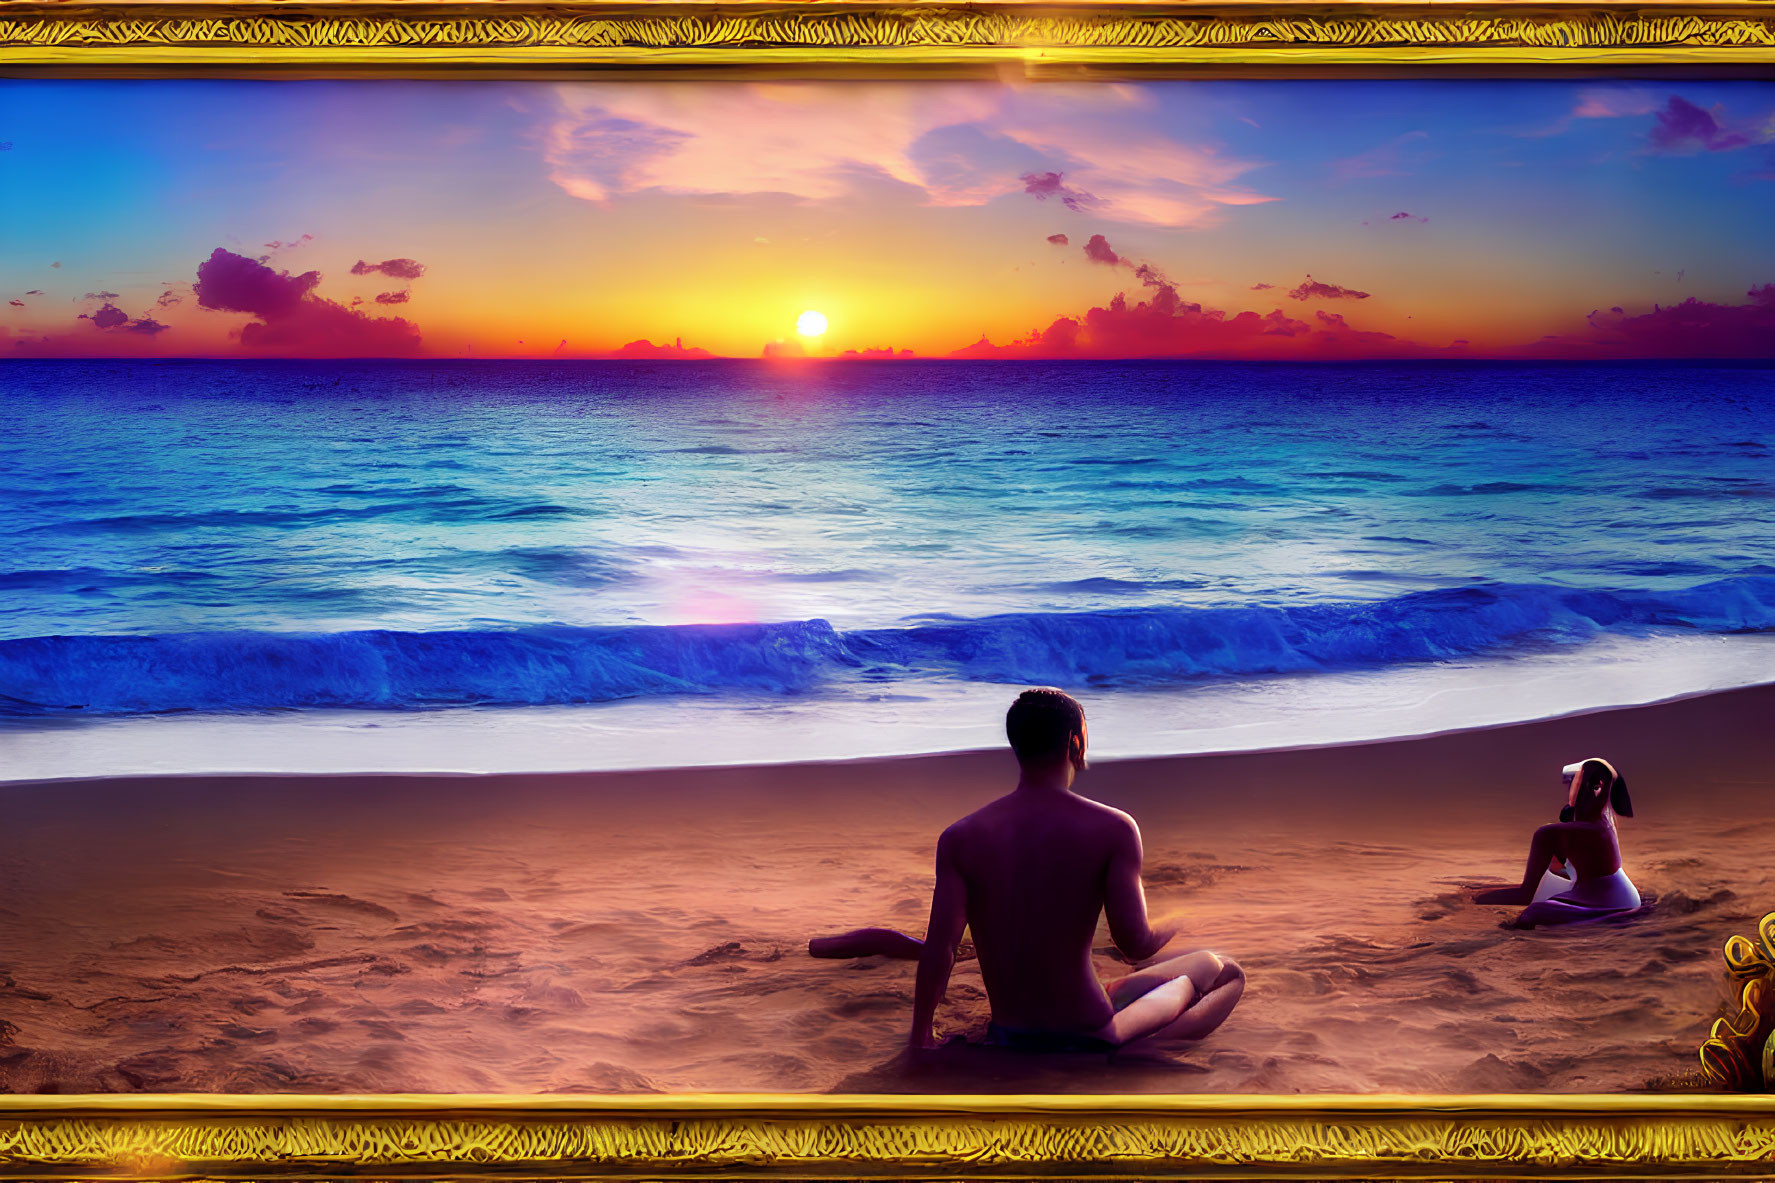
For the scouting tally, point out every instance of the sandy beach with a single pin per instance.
(635, 931)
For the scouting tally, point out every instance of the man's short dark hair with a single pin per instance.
(1041, 723)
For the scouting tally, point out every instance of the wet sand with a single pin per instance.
(642, 931)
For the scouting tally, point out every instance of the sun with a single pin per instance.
(810, 323)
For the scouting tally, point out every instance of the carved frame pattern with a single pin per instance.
(829, 1137)
(401, 36)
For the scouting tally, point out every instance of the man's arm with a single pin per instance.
(949, 915)
(1124, 899)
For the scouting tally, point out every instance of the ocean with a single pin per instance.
(462, 565)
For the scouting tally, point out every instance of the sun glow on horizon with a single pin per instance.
(810, 323)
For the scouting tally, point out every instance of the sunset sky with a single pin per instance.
(1348, 219)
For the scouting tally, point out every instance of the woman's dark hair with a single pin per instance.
(1598, 778)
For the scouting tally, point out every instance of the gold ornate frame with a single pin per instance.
(1274, 36)
(847, 1137)
(1688, 1135)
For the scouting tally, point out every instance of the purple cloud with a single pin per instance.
(108, 317)
(1693, 328)
(646, 349)
(229, 282)
(1058, 239)
(112, 317)
(1312, 289)
(1042, 186)
(1334, 322)
(290, 318)
(1683, 127)
(393, 268)
(880, 353)
(1150, 276)
(1098, 250)
(1165, 325)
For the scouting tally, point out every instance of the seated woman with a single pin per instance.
(1589, 884)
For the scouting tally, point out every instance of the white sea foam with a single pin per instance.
(904, 719)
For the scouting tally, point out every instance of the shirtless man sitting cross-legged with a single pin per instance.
(1030, 874)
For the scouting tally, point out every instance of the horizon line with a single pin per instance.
(896, 361)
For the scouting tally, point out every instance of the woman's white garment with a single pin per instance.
(1605, 893)
(1552, 883)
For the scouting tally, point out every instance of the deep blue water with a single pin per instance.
(249, 536)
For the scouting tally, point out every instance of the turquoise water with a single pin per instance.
(225, 537)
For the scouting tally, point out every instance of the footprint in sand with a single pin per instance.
(348, 903)
(733, 951)
(1682, 904)
(1176, 877)
(1438, 906)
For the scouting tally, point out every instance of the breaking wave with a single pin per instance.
(239, 671)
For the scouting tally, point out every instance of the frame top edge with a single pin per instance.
(792, 1105)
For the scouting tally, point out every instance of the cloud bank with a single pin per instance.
(645, 350)
(289, 319)
(1692, 329)
(1097, 147)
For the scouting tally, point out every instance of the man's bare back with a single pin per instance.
(1034, 868)
(1030, 874)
